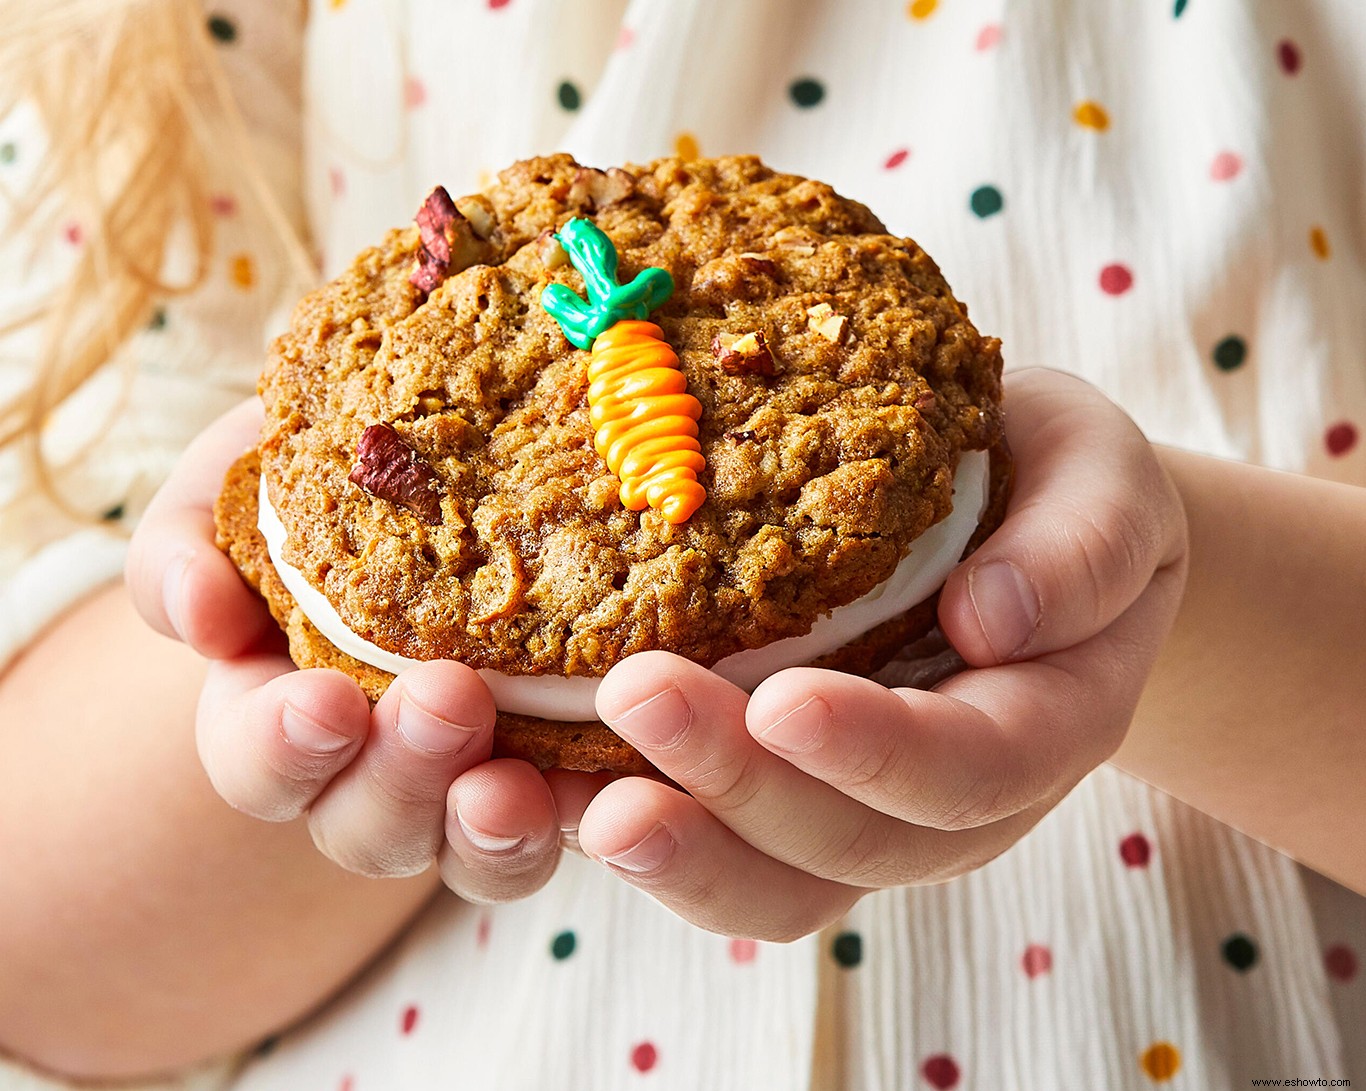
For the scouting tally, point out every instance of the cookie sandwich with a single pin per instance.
(698, 406)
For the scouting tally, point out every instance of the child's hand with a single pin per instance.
(822, 785)
(385, 792)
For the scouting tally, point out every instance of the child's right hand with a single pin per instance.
(386, 792)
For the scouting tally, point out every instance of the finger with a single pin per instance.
(987, 745)
(690, 724)
(181, 583)
(1092, 517)
(384, 814)
(572, 791)
(502, 832)
(271, 738)
(670, 846)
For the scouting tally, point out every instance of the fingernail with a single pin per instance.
(656, 723)
(424, 730)
(308, 734)
(798, 729)
(485, 841)
(647, 854)
(172, 590)
(1007, 606)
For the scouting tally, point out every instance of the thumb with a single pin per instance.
(1092, 518)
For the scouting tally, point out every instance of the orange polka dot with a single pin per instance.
(242, 269)
(685, 146)
(921, 9)
(1318, 242)
(1091, 115)
(1160, 1061)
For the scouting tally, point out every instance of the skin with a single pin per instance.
(799, 799)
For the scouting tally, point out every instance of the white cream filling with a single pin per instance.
(931, 559)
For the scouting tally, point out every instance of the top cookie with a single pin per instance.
(827, 452)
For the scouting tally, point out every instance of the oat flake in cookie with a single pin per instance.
(432, 487)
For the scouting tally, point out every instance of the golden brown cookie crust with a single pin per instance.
(819, 477)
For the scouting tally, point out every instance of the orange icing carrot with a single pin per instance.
(645, 421)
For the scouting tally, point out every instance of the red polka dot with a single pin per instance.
(223, 204)
(73, 233)
(496, 4)
(896, 158)
(1135, 851)
(347, 1084)
(1116, 279)
(1341, 438)
(625, 37)
(743, 950)
(988, 37)
(409, 1020)
(1037, 959)
(940, 1071)
(414, 93)
(481, 932)
(1341, 962)
(644, 1057)
(1226, 165)
(1288, 53)
(337, 181)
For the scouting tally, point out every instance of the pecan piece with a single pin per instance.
(448, 242)
(594, 189)
(386, 467)
(823, 319)
(747, 355)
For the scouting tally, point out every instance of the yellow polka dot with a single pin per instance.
(243, 271)
(1091, 115)
(485, 178)
(1160, 1061)
(1318, 242)
(336, 5)
(921, 9)
(685, 146)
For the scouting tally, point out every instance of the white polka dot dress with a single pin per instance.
(1163, 196)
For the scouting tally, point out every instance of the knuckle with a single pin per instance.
(862, 855)
(877, 766)
(978, 802)
(731, 786)
(375, 857)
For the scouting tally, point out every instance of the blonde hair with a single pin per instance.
(134, 104)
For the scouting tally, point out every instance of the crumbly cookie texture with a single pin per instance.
(830, 434)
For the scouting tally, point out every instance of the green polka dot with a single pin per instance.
(8, 152)
(806, 92)
(1230, 353)
(158, 320)
(562, 946)
(222, 28)
(986, 201)
(569, 96)
(114, 514)
(1240, 952)
(1178, 8)
(848, 949)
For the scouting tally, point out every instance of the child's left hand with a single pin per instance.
(822, 786)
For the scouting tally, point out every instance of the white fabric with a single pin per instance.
(952, 987)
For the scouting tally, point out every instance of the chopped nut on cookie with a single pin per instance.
(449, 244)
(823, 319)
(389, 469)
(747, 355)
(594, 189)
